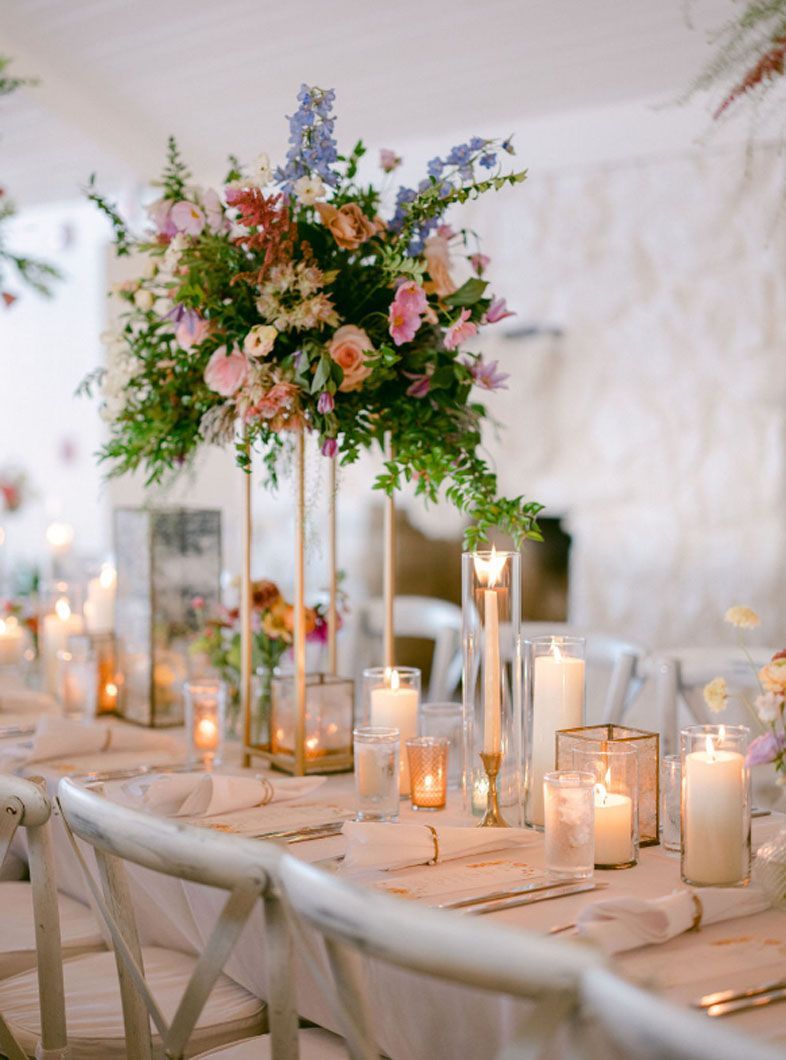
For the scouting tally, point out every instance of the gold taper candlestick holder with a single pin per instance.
(492, 818)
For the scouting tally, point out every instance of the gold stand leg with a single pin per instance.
(245, 614)
(389, 570)
(333, 562)
(300, 606)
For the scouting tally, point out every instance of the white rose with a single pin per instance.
(259, 341)
(308, 190)
(143, 299)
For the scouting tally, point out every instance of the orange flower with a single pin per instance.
(437, 254)
(348, 225)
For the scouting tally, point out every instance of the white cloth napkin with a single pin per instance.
(25, 699)
(619, 924)
(60, 738)
(206, 794)
(373, 845)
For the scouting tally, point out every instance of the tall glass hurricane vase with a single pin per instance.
(491, 697)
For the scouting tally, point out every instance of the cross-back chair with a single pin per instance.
(191, 1003)
(356, 924)
(25, 804)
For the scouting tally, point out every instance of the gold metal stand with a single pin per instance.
(389, 570)
(492, 818)
(245, 612)
(299, 646)
(333, 562)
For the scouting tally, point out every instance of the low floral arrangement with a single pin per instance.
(286, 302)
(768, 707)
(13, 489)
(30, 271)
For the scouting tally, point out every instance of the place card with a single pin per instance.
(272, 818)
(434, 884)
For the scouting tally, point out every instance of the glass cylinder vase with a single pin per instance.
(616, 804)
(391, 698)
(205, 710)
(715, 805)
(491, 680)
(555, 681)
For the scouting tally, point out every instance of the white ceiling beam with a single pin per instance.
(90, 105)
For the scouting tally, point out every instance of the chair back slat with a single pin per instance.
(281, 998)
(24, 803)
(356, 1022)
(245, 868)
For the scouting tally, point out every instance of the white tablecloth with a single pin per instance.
(421, 1019)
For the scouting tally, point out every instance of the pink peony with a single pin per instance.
(188, 218)
(480, 262)
(348, 348)
(460, 330)
(226, 372)
(497, 311)
(404, 323)
(411, 297)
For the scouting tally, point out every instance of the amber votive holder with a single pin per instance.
(428, 772)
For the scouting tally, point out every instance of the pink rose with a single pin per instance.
(348, 348)
(226, 372)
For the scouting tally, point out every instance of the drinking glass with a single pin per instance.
(205, 710)
(77, 681)
(376, 772)
(569, 815)
(670, 781)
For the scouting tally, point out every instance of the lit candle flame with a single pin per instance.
(710, 747)
(111, 689)
(601, 793)
(392, 679)
(555, 649)
(63, 609)
(108, 576)
(489, 570)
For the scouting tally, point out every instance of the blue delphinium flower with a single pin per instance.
(488, 160)
(312, 145)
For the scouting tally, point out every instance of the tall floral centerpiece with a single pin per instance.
(296, 300)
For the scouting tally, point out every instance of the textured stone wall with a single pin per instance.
(655, 423)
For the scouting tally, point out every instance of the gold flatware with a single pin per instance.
(95, 776)
(737, 995)
(742, 1004)
(16, 730)
(564, 891)
(513, 892)
(757, 812)
(294, 835)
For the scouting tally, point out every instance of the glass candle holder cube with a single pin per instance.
(329, 719)
(166, 559)
(598, 738)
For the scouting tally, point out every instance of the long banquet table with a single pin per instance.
(421, 1018)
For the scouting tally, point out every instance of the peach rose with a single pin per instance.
(437, 254)
(347, 348)
(348, 225)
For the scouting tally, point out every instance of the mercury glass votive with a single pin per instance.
(428, 772)
(716, 806)
(569, 828)
(77, 681)
(670, 784)
(205, 711)
(609, 737)
(377, 772)
(616, 804)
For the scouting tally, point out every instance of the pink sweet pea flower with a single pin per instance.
(411, 297)
(388, 160)
(187, 218)
(403, 324)
(329, 447)
(480, 262)
(420, 386)
(191, 327)
(765, 748)
(326, 402)
(497, 311)
(226, 372)
(460, 330)
(160, 213)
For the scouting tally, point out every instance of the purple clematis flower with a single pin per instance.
(420, 386)
(498, 310)
(190, 327)
(765, 748)
(488, 375)
(326, 403)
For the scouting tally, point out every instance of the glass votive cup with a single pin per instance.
(77, 682)
(391, 699)
(616, 804)
(428, 772)
(715, 806)
(445, 721)
(376, 750)
(670, 784)
(205, 716)
(569, 824)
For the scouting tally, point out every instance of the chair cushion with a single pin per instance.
(315, 1044)
(94, 1013)
(78, 929)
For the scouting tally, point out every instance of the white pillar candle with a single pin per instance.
(613, 827)
(56, 629)
(395, 707)
(11, 641)
(558, 703)
(100, 601)
(713, 827)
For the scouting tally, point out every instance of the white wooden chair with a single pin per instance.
(679, 676)
(24, 803)
(616, 660)
(192, 1004)
(633, 1024)
(356, 924)
(422, 618)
